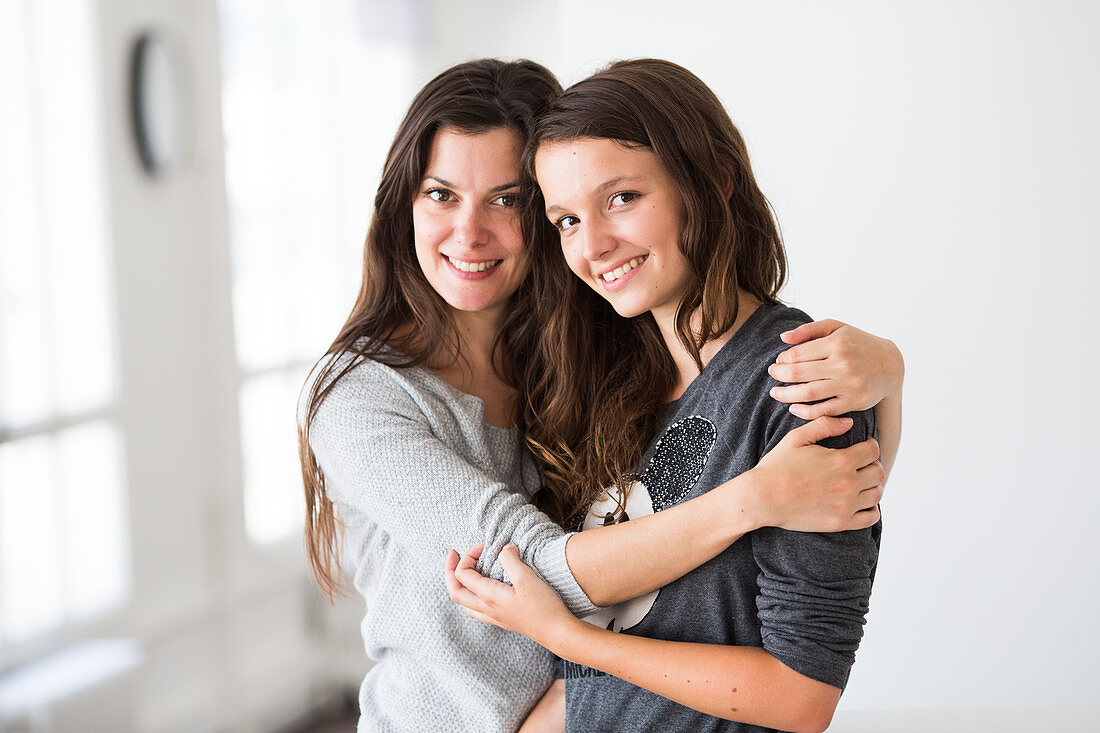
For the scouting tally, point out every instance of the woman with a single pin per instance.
(649, 186)
(408, 441)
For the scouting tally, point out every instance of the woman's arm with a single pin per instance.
(798, 485)
(842, 369)
(381, 454)
(747, 684)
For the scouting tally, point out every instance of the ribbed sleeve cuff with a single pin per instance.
(554, 569)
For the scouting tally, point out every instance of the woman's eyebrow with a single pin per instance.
(494, 189)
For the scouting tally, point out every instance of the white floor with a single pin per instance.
(969, 720)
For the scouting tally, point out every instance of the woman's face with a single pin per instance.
(619, 216)
(465, 222)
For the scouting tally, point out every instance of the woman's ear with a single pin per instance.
(725, 175)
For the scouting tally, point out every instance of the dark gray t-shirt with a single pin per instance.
(803, 597)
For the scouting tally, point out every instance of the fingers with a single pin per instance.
(866, 518)
(809, 331)
(803, 371)
(483, 587)
(475, 551)
(819, 429)
(509, 560)
(869, 499)
(458, 592)
(486, 590)
(822, 389)
(478, 616)
(872, 474)
(829, 408)
(863, 454)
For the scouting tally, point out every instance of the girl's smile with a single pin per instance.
(618, 214)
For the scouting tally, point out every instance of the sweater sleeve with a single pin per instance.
(380, 455)
(814, 589)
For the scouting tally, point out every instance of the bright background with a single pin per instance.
(934, 167)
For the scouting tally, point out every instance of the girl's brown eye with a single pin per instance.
(623, 197)
(438, 194)
(566, 222)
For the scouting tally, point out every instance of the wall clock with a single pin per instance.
(157, 103)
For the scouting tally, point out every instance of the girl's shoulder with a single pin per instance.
(757, 343)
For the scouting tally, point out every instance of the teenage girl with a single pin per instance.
(409, 443)
(649, 187)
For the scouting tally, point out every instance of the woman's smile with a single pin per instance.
(465, 223)
(472, 270)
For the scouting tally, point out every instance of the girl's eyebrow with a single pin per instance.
(618, 181)
(494, 189)
(605, 186)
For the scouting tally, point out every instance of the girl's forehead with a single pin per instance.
(594, 162)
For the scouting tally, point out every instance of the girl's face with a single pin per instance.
(465, 223)
(619, 215)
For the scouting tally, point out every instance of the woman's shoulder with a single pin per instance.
(361, 377)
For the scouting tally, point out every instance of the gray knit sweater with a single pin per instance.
(414, 471)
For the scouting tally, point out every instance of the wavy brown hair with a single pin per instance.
(398, 318)
(595, 382)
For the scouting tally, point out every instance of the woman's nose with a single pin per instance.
(470, 229)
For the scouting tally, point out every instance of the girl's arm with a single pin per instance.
(798, 485)
(746, 684)
(384, 456)
(842, 369)
(548, 715)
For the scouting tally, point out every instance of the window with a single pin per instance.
(310, 102)
(64, 554)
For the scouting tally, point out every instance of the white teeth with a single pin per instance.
(623, 269)
(473, 266)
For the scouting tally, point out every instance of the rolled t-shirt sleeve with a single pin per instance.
(382, 455)
(814, 589)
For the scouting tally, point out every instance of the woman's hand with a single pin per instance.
(838, 367)
(528, 606)
(802, 486)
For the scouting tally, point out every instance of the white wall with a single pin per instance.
(934, 167)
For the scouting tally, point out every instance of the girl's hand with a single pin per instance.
(528, 606)
(847, 368)
(802, 486)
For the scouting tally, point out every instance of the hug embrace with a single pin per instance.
(585, 468)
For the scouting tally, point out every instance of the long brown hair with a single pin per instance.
(398, 318)
(595, 381)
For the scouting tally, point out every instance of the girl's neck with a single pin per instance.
(686, 368)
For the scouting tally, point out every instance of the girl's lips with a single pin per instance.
(620, 282)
